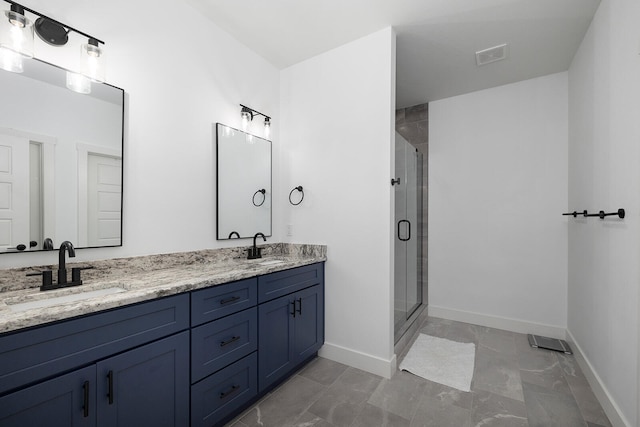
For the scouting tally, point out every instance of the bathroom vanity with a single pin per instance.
(197, 353)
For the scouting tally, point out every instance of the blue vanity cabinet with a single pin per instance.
(224, 344)
(68, 400)
(148, 386)
(291, 326)
(122, 367)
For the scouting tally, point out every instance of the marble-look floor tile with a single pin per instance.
(323, 371)
(541, 367)
(373, 416)
(343, 401)
(546, 408)
(285, 404)
(400, 395)
(497, 340)
(310, 420)
(437, 413)
(492, 410)
(452, 330)
(448, 395)
(569, 365)
(359, 380)
(497, 373)
(590, 408)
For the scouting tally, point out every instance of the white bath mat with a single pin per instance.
(440, 360)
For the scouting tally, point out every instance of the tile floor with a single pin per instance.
(513, 385)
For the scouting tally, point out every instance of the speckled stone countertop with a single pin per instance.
(118, 282)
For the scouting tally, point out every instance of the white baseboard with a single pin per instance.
(366, 362)
(498, 322)
(602, 393)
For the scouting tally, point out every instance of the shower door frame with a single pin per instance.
(415, 236)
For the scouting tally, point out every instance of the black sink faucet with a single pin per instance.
(62, 270)
(255, 252)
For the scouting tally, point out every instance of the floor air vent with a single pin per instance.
(549, 344)
(493, 54)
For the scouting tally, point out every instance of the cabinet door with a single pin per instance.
(275, 340)
(64, 401)
(309, 322)
(148, 386)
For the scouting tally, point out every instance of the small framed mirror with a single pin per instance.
(61, 153)
(243, 184)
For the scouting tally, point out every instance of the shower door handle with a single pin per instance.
(408, 230)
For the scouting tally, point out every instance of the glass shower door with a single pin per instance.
(408, 203)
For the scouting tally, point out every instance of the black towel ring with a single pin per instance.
(264, 197)
(299, 188)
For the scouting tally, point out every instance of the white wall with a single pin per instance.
(338, 108)
(497, 188)
(604, 173)
(181, 74)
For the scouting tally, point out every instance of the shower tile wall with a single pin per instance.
(413, 124)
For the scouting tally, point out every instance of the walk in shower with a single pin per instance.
(408, 231)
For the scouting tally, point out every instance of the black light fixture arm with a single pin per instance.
(620, 213)
(55, 21)
(253, 112)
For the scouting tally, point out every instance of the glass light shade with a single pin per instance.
(10, 60)
(16, 33)
(92, 60)
(267, 128)
(246, 118)
(78, 83)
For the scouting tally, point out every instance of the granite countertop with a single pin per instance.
(118, 282)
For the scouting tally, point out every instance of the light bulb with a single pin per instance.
(93, 61)
(247, 116)
(267, 127)
(16, 32)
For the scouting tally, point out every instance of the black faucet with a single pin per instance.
(232, 233)
(255, 252)
(47, 280)
(62, 270)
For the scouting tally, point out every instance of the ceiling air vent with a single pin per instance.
(493, 54)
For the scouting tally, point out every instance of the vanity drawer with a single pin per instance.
(275, 285)
(220, 343)
(37, 354)
(217, 396)
(222, 300)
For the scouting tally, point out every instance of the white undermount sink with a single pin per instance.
(271, 262)
(19, 304)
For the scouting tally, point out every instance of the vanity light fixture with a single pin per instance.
(16, 38)
(16, 41)
(247, 115)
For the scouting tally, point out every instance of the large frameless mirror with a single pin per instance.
(243, 196)
(60, 160)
